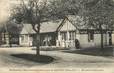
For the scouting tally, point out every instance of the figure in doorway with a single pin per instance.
(77, 44)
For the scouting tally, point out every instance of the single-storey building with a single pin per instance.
(72, 30)
(26, 35)
(47, 34)
(68, 32)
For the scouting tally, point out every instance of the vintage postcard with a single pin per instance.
(63, 36)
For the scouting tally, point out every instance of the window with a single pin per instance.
(63, 34)
(22, 38)
(26, 38)
(90, 36)
(72, 35)
(31, 38)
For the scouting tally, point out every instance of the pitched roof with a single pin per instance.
(27, 29)
(46, 27)
(76, 21)
(49, 26)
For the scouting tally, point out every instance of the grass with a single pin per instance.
(34, 58)
(93, 51)
(51, 48)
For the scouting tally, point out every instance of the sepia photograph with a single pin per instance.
(66, 36)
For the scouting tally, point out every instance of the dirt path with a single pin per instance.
(62, 59)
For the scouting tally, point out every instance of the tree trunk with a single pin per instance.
(10, 40)
(37, 44)
(36, 28)
(102, 46)
(4, 39)
(101, 31)
(101, 39)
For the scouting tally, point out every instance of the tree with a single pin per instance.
(61, 8)
(99, 13)
(34, 12)
(37, 11)
(11, 28)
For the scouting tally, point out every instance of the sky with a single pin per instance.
(4, 10)
(5, 6)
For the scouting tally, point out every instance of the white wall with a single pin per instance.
(24, 40)
(67, 26)
(113, 38)
(97, 40)
(84, 41)
(65, 43)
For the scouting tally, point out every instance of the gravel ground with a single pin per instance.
(61, 59)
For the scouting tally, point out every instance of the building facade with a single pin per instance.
(61, 33)
(70, 35)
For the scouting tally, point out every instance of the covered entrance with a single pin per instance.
(48, 39)
(68, 39)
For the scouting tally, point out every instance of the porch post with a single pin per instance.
(59, 39)
(68, 37)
